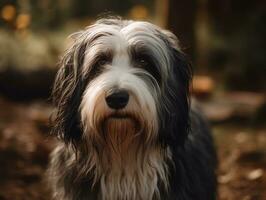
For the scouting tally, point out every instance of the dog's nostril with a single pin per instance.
(117, 99)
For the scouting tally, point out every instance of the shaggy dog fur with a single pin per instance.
(124, 120)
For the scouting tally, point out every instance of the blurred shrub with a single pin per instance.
(27, 62)
(24, 51)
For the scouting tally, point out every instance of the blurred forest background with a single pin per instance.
(225, 39)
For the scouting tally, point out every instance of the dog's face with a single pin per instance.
(123, 78)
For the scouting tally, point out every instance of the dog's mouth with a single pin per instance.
(120, 116)
(122, 121)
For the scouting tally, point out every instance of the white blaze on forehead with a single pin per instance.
(121, 54)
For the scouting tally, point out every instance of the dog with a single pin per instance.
(124, 120)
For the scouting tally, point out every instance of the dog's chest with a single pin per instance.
(138, 178)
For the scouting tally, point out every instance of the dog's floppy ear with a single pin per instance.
(176, 94)
(67, 93)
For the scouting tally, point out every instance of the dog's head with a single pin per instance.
(122, 77)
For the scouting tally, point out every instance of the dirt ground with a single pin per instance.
(25, 145)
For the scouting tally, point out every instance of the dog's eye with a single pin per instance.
(149, 66)
(102, 61)
(143, 62)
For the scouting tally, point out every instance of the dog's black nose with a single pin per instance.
(117, 99)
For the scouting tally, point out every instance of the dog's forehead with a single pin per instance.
(130, 34)
(140, 27)
(135, 34)
(123, 42)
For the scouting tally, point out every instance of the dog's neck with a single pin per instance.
(125, 166)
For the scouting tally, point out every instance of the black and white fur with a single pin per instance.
(155, 147)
